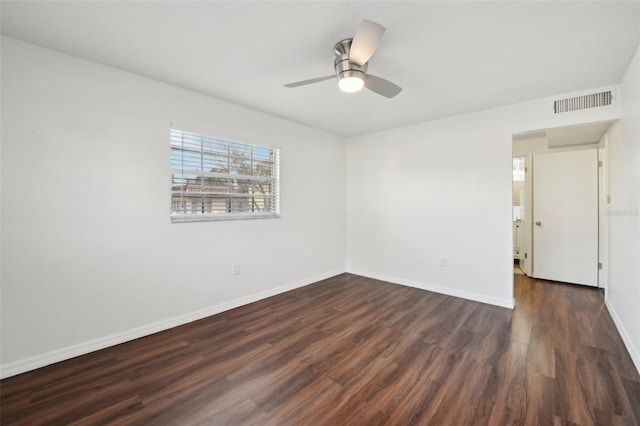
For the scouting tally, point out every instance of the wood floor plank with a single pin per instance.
(413, 371)
(541, 398)
(632, 391)
(570, 390)
(463, 394)
(354, 350)
(504, 397)
(363, 386)
(605, 389)
(304, 406)
(541, 355)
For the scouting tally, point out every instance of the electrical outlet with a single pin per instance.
(235, 268)
(443, 262)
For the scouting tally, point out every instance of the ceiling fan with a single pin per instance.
(352, 56)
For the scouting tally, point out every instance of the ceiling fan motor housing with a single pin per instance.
(344, 68)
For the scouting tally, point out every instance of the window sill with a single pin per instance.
(182, 218)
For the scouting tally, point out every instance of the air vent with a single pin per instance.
(577, 103)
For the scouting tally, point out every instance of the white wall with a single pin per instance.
(436, 190)
(442, 189)
(538, 145)
(89, 256)
(623, 138)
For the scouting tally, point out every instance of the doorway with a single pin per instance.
(552, 250)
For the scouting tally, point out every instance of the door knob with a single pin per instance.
(538, 223)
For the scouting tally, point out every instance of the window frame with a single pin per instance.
(239, 187)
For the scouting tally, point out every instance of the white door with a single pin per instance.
(565, 217)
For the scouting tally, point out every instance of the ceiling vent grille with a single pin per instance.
(577, 103)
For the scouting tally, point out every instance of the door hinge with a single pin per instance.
(526, 169)
(599, 265)
(608, 199)
(525, 255)
(599, 163)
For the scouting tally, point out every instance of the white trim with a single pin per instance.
(28, 364)
(476, 297)
(633, 351)
(212, 217)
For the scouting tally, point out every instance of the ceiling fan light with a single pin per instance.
(351, 81)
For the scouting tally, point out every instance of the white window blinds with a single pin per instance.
(214, 178)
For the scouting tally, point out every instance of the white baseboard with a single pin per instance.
(633, 351)
(28, 364)
(476, 297)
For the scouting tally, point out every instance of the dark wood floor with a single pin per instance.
(353, 350)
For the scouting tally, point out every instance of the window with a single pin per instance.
(213, 178)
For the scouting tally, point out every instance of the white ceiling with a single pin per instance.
(450, 57)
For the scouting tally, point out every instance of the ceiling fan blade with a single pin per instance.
(310, 81)
(365, 42)
(381, 86)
